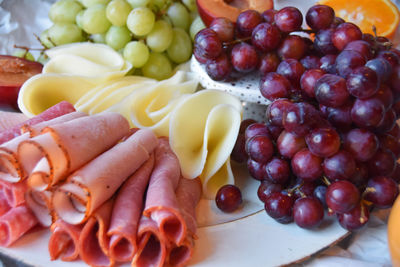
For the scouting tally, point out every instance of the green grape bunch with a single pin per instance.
(153, 35)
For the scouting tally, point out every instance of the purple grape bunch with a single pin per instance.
(330, 143)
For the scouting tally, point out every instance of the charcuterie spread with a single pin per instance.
(85, 177)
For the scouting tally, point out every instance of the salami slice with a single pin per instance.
(126, 213)
(93, 240)
(65, 147)
(152, 249)
(4, 207)
(161, 203)
(63, 242)
(14, 192)
(39, 203)
(55, 111)
(15, 223)
(89, 187)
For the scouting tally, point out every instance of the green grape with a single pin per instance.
(159, 4)
(94, 19)
(117, 12)
(65, 33)
(43, 58)
(180, 49)
(141, 21)
(64, 11)
(89, 3)
(190, 4)
(24, 54)
(196, 26)
(79, 18)
(99, 38)
(45, 40)
(179, 15)
(118, 37)
(160, 36)
(137, 53)
(157, 67)
(138, 3)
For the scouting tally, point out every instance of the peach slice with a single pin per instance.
(14, 71)
(210, 9)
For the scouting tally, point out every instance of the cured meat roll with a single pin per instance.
(10, 166)
(15, 223)
(93, 240)
(181, 255)
(64, 241)
(63, 148)
(152, 249)
(90, 186)
(14, 192)
(126, 213)
(39, 203)
(57, 110)
(161, 203)
(4, 207)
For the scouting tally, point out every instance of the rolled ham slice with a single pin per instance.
(64, 241)
(15, 223)
(161, 203)
(126, 213)
(39, 203)
(14, 192)
(93, 240)
(57, 110)
(181, 255)
(65, 147)
(10, 166)
(4, 207)
(10, 119)
(152, 249)
(89, 187)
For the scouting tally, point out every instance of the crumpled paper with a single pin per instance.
(20, 20)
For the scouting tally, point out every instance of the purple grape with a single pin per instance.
(269, 15)
(320, 17)
(219, 69)
(280, 207)
(269, 63)
(244, 124)
(323, 42)
(276, 110)
(266, 37)
(274, 86)
(342, 196)
(228, 198)
(244, 58)
(255, 129)
(300, 118)
(278, 171)
(390, 56)
(309, 79)
(224, 28)
(382, 163)
(340, 166)
(388, 142)
(293, 46)
(266, 188)
(238, 153)
(256, 169)
(381, 191)
(306, 165)
(328, 64)
(331, 90)
(382, 68)
(289, 19)
(362, 47)
(308, 212)
(292, 70)
(310, 62)
(207, 44)
(319, 193)
(361, 143)
(347, 61)
(355, 218)
(323, 142)
(289, 144)
(247, 21)
(344, 34)
(384, 95)
(260, 148)
(362, 82)
(388, 122)
(339, 117)
(367, 112)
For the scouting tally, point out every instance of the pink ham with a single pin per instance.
(161, 203)
(15, 223)
(10, 119)
(10, 167)
(55, 111)
(14, 192)
(152, 249)
(126, 214)
(63, 148)
(93, 240)
(89, 187)
(181, 255)
(4, 207)
(39, 203)
(63, 242)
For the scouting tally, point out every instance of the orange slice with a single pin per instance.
(382, 14)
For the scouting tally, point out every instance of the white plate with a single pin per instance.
(248, 237)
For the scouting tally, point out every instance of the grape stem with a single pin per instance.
(297, 187)
(27, 48)
(325, 181)
(236, 41)
(40, 41)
